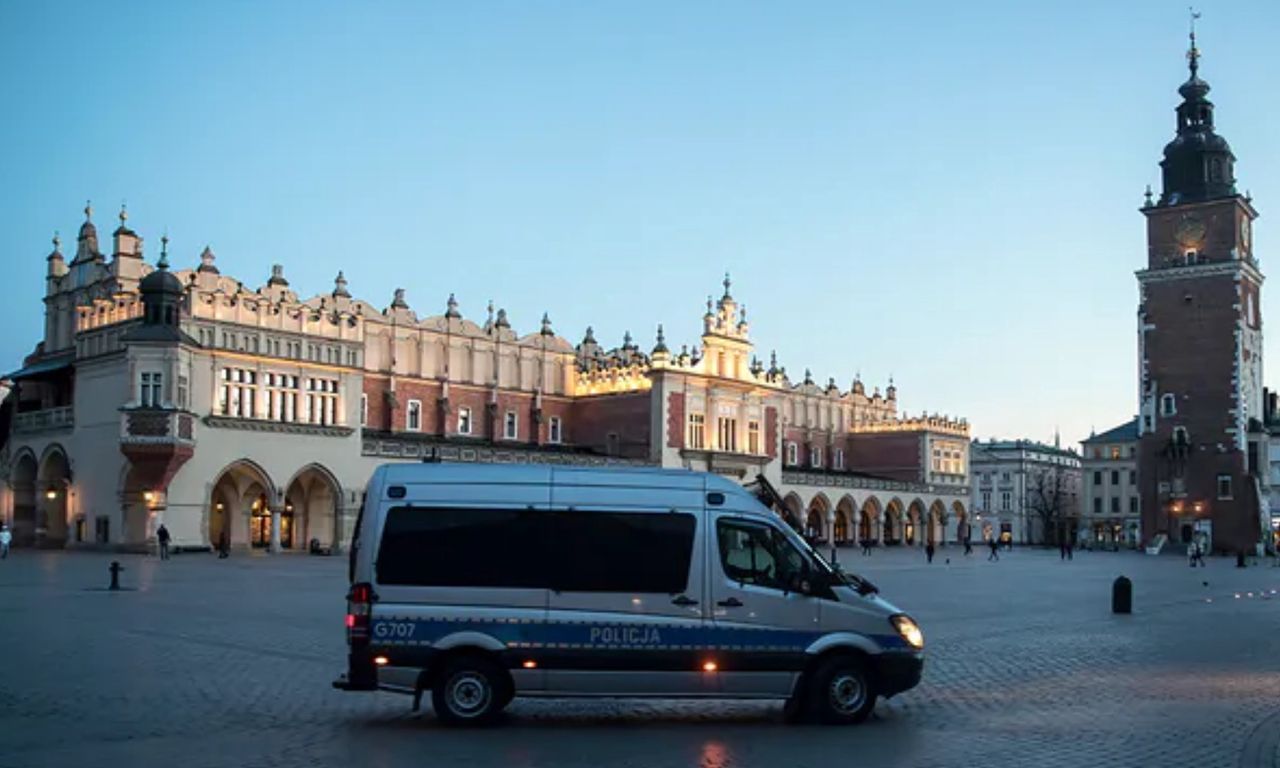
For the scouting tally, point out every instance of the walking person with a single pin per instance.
(1062, 551)
(995, 546)
(162, 538)
(968, 546)
(928, 551)
(1070, 549)
(866, 546)
(6, 537)
(224, 546)
(1199, 554)
(1191, 553)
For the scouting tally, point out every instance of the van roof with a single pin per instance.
(457, 472)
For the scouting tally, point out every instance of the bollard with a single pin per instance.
(1122, 596)
(1240, 559)
(115, 575)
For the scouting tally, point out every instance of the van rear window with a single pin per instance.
(565, 551)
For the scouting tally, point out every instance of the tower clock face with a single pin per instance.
(1190, 232)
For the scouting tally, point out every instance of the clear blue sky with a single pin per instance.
(945, 192)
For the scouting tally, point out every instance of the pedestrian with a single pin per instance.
(928, 551)
(162, 538)
(224, 546)
(1191, 553)
(1070, 549)
(968, 546)
(866, 546)
(995, 546)
(6, 536)
(1062, 551)
(1199, 554)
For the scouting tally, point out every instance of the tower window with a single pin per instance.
(1168, 405)
(1224, 487)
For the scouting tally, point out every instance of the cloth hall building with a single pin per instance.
(255, 416)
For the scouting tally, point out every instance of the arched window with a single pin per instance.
(1168, 405)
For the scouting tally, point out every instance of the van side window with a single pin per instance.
(579, 551)
(464, 548)
(623, 551)
(751, 553)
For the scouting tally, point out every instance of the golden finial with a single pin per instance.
(124, 213)
(88, 210)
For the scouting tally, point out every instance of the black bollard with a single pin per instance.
(1240, 559)
(1122, 596)
(115, 575)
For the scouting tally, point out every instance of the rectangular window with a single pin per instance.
(1006, 501)
(697, 439)
(1133, 505)
(753, 437)
(815, 457)
(1115, 477)
(1224, 487)
(510, 426)
(1097, 506)
(1004, 477)
(1097, 477)
(1115, 452)
(413, 416)
(1115, 504)
(567, 551)
(364, 410)
(149, 394)
(793, 454)
(986, 501)
(464, 421)
(727, 431)
(553, 430)
(837, 458)
(184, 390)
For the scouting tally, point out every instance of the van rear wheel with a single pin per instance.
(841, 691)
(471, 690)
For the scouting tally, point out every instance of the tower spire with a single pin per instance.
(1193, 53)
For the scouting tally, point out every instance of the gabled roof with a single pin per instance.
(1125, 433)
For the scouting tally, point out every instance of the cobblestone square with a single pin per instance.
(228, 663)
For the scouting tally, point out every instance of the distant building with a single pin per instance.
(1024, 492)
(255, 415)
(1111, 515)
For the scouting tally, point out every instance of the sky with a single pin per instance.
(945, 193)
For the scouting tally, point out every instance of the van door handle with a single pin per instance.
(684, 600)
(732, 602)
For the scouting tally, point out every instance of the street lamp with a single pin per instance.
(51, 494)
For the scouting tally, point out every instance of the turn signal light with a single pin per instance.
(530, 664)
(709, 666)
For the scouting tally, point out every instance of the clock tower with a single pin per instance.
(1201, 447)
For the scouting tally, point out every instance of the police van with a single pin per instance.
(479, 583)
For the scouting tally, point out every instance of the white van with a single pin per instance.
(479, 583)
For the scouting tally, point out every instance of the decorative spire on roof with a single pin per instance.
(661, 346)
(451, 307)
(57, 247)
(163, 263)
(124, 214)
(488, 323)
(808, 376)
(727, 284)
(397, 300)
(710, 304)
(546, 325)
(1146, 198)
(502, 319)
(590, 336)
(206, 261)
(340, 286)
(773, 362)
(88, 210)
(277, 275)
(626, 341)
(1193, 54)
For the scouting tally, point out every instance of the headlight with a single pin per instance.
(908, 630)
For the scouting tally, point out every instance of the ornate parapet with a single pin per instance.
(864, 483)
(939, 424)
(428, 448)
(282, 427)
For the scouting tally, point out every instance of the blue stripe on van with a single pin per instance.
(531, 633)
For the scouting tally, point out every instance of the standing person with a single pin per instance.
(968, 546)
(928, 551)
(1199, 553)
(995, 546)
(1070, 549)
(1062, 551)
(866, 546)
(1192, 552)
(162, 538)
(224, 546)
(6, 536)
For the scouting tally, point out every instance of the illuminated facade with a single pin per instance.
(254, 416)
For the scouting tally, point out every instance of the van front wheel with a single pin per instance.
(470, 691)
(841, 691)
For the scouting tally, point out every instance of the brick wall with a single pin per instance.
(893, 455)
(627, 415)
(771, 432)
(675, 420)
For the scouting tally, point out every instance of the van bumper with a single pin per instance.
(898, 672)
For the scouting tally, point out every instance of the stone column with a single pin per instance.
(275, 530)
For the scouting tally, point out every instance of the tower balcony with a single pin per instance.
(157, 442)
